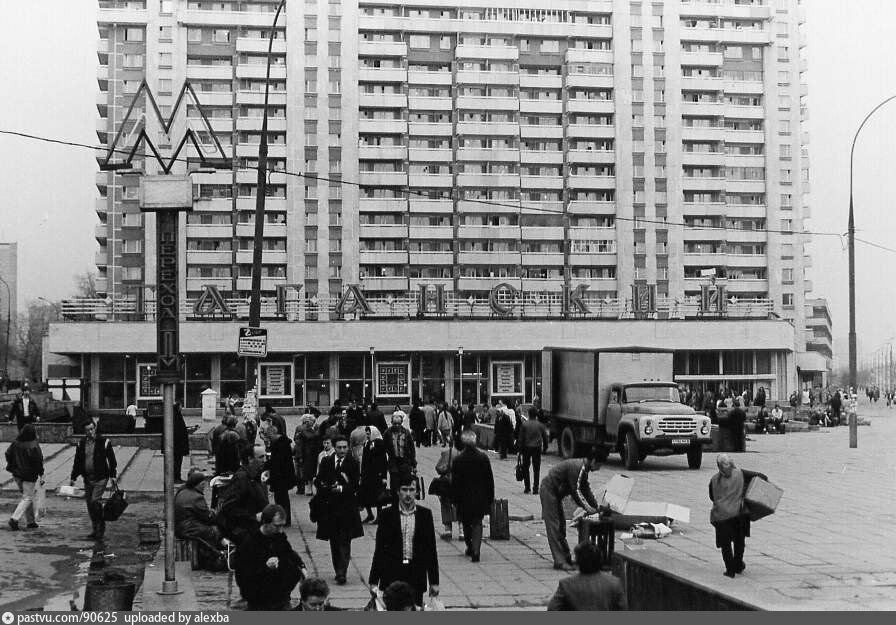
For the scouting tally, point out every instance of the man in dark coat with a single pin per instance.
(244, 497)
(400, 452)
(417, 421)
(266, 567)
(181, 442)
(373, 474)
(473, 491)
(24, 410)
(95, 463)
(532, 441)
(337, 480)
(406, 546)
(228, 447)
(565, 479)
(376, 418)
(281, 470)
(195, 521)
(735, 424)
(592, 590)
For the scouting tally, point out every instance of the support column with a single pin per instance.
(449, 378)
(335, 390)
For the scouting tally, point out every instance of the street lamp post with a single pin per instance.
(851, 232)
(260, 193)
(8, 326)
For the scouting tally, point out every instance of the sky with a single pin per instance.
(48, 64)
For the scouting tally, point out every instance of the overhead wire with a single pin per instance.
(408, 191)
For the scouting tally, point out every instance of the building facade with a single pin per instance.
(816, 363)
(623, 151)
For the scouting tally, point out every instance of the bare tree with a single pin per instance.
(85, 285)
(30, 329)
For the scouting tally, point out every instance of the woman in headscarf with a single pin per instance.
(193, 520)
(308, 445)
(25, 460)
(729, 515)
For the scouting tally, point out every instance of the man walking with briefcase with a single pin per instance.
(95, 463)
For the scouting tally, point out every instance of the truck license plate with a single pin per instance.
(681, 441)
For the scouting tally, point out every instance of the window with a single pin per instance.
(132, 273)
(335, 23)
(787, 276)
(786, 176)
(133, 60)
(311, 34)
(784, 101)
(787, 251)
(164, 85)
(164, 59)
(785, 150)
(786, 201)
(166, 7)
(783, 53)
(550, 45)
(132, 220)
(419, 41)
(131, 246)
(783, 29)
(222, 35)
(444, 43)
(787, 225)
(783, 77)
(164, 33)
(784, 127)
(787, 300)
(133, 34)
(194, 35)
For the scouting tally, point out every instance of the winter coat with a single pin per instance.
(260, 585)
(472, 485)
(280, 464)
(104, 463)
(25, 460)
(374, 469)
(192, 516)
(340, 516)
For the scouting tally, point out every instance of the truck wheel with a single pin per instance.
(630, 451)
(695, 456)
(567, 443)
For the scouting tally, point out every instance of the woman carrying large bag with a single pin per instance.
(441, 487)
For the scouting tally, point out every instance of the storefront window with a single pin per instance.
(233, 376)
(432, 377)
(299, 382)
(275, 380)
(763, 362)
(507, 378)
(198, 368)
(317, 379)
(351, 377)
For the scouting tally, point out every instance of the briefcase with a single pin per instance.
(421, 488)
(762, 498)
(499, 521)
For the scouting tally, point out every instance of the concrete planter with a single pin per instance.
(46, 432)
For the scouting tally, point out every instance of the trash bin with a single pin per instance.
(111, 593)
(209, 404)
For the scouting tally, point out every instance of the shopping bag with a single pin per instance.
(520, 470)
(434, 604)
(376, 604)
(115, 505)
(40, 501)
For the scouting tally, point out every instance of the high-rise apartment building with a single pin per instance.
(510, 151)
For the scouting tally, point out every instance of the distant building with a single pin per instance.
(816, 363)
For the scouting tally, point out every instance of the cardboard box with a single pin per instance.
(618, 492)
(627, 513)
(762, 498)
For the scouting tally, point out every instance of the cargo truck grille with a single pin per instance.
(677, 425)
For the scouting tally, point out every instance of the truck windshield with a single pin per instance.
(636, 394)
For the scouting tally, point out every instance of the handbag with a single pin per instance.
(440, 486)
(520, 469)
(421, 488)
(115, 505)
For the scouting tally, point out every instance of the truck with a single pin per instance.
(622, 400)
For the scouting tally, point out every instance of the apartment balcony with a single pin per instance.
(541, 157)
(223, 284)
(102, 77)
(576, 55)
(101, 205)
(487, 52)
(244, 257)
(488, 180)
(705, 260)
(590, 106)
(701, 59)
(747, 261)
(714, 209)
(426, 129)
(705, 159)
(541, 106)
(431, 258)
(418, 205)
(245, 284)
(500, 129)
(541, 81)
(702, 184)
(745, 186)
(752, 87)
(807, 286)
(488, 232)
(587, 131)
(391, 283)
(275, 124)
(382, 152)
(591, 182)
(542, 233)
(102, 51)
(704, 234)
(591, 156)
(748, 285)
(383, 126)
(246, 44)
(542, 259)
(483, 103)
(101, 179)
(430, 155)
(101, 258)
(256, 71)
(488, 258)
(383, 100)
(382, 48)
(592, 260)
(216, 98)
(486, 78)
(698, 8)
(425, 103)
(431, 181)
(220, 124)
(210, 231)
(745, 160)
(744, 112)
(101, 285)
(383, 231)
(382, 205)
(278, 231)
(592, 81)
(217, 72)
(703, 109)
(541, 208)
(380, 74)
(395, 257)
(415, 77)
(755, 37)
(414, 284)
(488, 206)
(597, 284)
(588, 207)
(231, 18)
(541, 182)
(102, 131)
(542, 132)
(248, 203)
(701, 33)
(702, 83)
(122, 17)
(203, 257)
(588, 233)
(807, 261)
(102, 102)
(383, 178)
(441, 233)
(744, 136)
(275, 98)
(696, 133)
(486, 284)
(101, 232)
(746, 236)
(494, 155)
